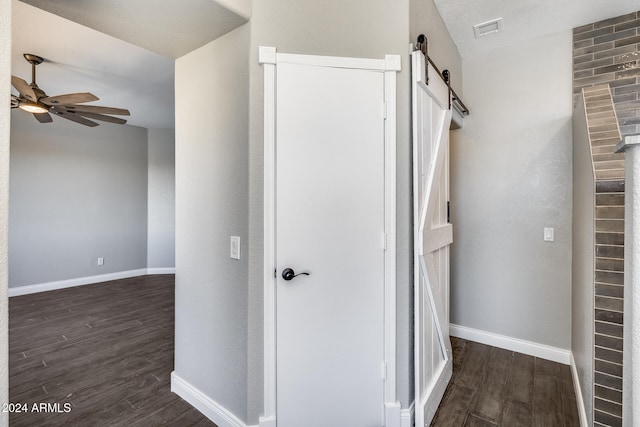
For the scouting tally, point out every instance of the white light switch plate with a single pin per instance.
(548, 234)
(234, 251)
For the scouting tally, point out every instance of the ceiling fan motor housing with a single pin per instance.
(33, 59)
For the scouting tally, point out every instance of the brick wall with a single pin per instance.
(609, 249)
(609, 52)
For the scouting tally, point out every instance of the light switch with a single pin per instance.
(235, 247)
(548, 234)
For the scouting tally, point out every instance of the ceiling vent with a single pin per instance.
(489, 27)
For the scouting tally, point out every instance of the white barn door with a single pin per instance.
(432, 237)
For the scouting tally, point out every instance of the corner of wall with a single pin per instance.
(211, 185)
(5, 73)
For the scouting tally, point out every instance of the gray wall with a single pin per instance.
(583, 256)
(77, 193)
(161, 195)
(5, 73)
(212, 205)
(511, 177)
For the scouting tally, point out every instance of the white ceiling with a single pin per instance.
(170, 28)
(121, 73)
(522, 19)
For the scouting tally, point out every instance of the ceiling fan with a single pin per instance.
(69, 106)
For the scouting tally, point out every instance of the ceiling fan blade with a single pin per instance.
(102, 117)
(69, 98)
(43, 117)
(94, 109)
(74, 117)
(23, 87)
(15, 101)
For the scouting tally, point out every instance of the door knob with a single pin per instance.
(288, 274)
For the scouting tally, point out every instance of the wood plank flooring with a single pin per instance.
(495, 387)
(106, 350)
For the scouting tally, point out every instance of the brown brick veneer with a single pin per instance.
(609, 254)
(609, 52)
(606, 63)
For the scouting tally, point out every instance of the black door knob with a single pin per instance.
(288, 274)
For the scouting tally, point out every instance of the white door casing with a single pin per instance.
(311, 186)
(432, 237)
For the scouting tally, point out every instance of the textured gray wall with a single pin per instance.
(5, 79)
(511, 177)
(211, 205)
(161, 190)
(77, 193)
(583, 256)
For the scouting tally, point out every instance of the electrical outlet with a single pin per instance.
(549, 234)
(100, 261)
(234, 250)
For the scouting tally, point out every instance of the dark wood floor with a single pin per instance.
(104, 349)
(107, 351)
(495, 387)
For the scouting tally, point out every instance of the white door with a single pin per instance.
(432, 238)
(329, 223)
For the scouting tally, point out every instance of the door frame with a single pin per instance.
(268, 57)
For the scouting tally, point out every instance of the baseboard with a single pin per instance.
(203, 403)
(267, 422)
(168, 270)
(514, 344)
(392, 414)
(407, 416)
(582, 411)
(88, 280)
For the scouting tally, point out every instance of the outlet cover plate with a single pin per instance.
(549, 234)
(234, 249)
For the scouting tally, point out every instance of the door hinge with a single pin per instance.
(448, 212)
(384, 110)
(384, 241)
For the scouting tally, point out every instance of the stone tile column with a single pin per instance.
(631, 375)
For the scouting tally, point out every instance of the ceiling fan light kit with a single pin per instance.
(68, 106)
(33, 107)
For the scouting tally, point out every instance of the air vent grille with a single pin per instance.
(489, 27)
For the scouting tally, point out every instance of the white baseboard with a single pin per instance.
(169, 270)
(267, 422)
(514, 344)
(88, 280)
(392, 414)
(203, 403)
(407, 416)
(582, 411)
